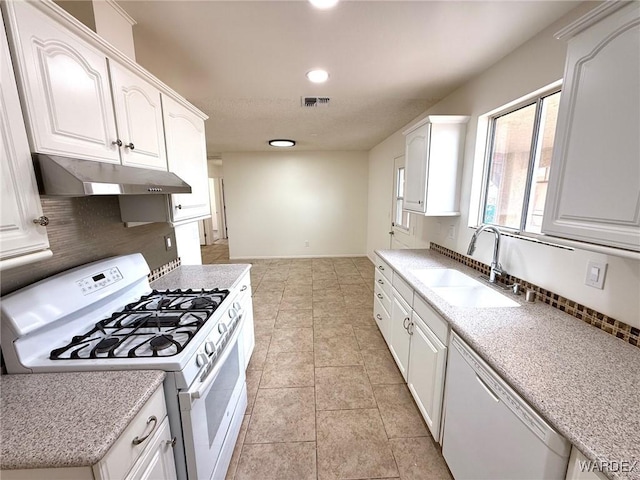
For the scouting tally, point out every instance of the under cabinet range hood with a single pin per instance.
(71, 177)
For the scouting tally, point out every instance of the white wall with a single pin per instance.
(278, 200)
(535, 64)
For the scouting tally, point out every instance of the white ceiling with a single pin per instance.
(244, 62)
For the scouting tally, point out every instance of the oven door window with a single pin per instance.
(218, 398)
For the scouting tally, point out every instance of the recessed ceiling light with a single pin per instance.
(318, 76)
(323, 4)
(282, 143)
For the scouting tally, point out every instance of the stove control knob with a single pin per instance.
(201, 360)
(237, 306)
(209, 347)
(222, 327)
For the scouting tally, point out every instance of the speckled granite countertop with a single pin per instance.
(585, 382)
(52, 420)
(202, 276)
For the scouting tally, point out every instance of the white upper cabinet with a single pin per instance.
(594, 185)
(84, 99)
(65, 86)
(187, 156)
(139, 115)
(21, 239)
(433, 157)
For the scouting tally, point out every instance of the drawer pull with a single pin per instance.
(381, 267)
(380, 282)
(378, 316)
(244, 287)
(380, 296)
(152, 419)
(405, 324)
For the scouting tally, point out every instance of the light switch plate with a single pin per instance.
(596, 272)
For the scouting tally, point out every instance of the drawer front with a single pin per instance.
(383, 297)
(384, 268)
(403, 288)
(437, 325)
(123, 453)
(383, 283)
(382, 318)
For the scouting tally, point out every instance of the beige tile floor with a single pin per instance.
(326, 400)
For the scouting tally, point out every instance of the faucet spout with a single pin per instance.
(496, 268)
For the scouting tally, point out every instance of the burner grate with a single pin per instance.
(160, 324)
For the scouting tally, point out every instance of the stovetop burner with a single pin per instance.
(160, 324)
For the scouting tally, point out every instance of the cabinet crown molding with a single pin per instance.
(593, 16)
(437, 119)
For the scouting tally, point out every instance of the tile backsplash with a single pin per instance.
(85, 229)
(599, 320)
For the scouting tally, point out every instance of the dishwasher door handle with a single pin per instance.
(487, 388)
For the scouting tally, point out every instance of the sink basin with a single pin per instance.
(445, 277)
(475, 297)
(461, 290)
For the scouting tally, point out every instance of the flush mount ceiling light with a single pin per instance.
(323, 4)
(318, 76)
(282, 143)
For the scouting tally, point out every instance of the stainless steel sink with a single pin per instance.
(461, 290)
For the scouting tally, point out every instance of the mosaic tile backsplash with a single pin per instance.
(164, 269)
(599, 320)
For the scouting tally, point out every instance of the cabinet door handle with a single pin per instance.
(410, 328)
(379, 296)
(129, 145)
(171, 442)
(117, 142)
(179, 207)
(378, 316)
(42, 221)
(405, 325)
(139, 440)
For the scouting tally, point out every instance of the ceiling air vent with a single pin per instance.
(309, 102)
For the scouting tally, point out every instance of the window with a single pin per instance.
(401, 216)
(519, 157)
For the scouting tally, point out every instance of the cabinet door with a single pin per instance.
(399, 336)
(139, 118)
(594, 186)
(416, 158)
(19, 199)
(426, 373)
(66, 88)
(187, 158)
(157, 462)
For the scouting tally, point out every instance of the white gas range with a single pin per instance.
(105, 316)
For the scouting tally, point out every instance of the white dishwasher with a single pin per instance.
(489, 431)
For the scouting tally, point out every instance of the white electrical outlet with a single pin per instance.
(596, 271)
(451, 234)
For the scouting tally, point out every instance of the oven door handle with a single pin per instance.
(203, 388)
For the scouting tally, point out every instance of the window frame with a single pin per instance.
(536, 98)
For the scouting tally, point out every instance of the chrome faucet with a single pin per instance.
(496, 268)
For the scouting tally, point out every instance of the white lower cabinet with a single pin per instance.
(157, 461)
(244, 303)
(417, 338)
(427, 362)
(400, 339)
(144, 451)
(580, 468)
